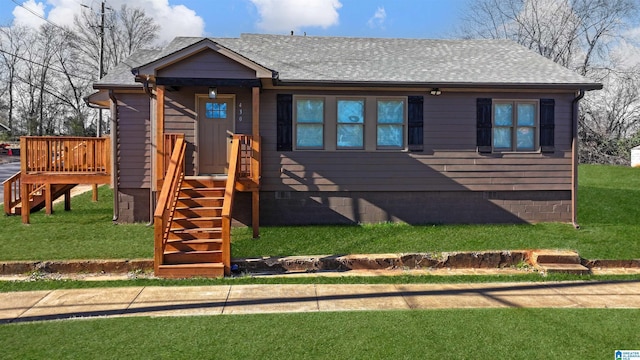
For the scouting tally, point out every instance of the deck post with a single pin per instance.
(255, 162)
(48, 199)
(94, 195)
(67, 200)
(25, 210)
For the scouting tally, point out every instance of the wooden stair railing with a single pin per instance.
(227, 205)
(167, 201)
(12, 197)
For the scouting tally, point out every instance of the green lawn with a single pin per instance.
(608, 213)
(430, 334)
(85, 232)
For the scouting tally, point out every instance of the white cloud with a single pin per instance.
(286, 15)
(377, 20)
(31, 17)
(174, 20)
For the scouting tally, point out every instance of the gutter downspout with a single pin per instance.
(574, 161)
(114, 154)
(152, 198)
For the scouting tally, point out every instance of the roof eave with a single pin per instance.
(450, 85)
(109, 86)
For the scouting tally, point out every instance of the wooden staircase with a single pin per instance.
(38, 199)
(194, 245)
(192, 220)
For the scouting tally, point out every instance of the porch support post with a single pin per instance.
(255, 163)
(24, 187)
(67, 200)
(160, 150)
(25, 210)
(48, 198)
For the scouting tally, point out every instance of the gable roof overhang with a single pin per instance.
(448, 85)
(150, 70)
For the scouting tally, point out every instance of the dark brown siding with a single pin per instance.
(134, 155)
(449, 161)
(207, 64)
(448, 182)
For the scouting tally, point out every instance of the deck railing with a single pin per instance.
(168, 199)
(65, 154)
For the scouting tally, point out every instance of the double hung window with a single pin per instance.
(310, 123)
(350, 121)
(515, 126)
(390, 130)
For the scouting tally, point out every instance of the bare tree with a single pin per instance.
(577, 34)
(126, 31)
(12, 46)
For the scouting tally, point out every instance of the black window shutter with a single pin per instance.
(416, 123)
(284, 120)
(547, 125)
(483, 119)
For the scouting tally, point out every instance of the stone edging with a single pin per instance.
(75, 266)
(451, 260)
(487, 259)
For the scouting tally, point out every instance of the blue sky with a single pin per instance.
(230, 18)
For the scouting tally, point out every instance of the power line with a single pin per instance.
(41, 17)
(44, 66)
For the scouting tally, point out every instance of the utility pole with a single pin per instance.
(101, 64)
(101, 67)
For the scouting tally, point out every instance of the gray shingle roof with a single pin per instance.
(120, 75)
(381, 60)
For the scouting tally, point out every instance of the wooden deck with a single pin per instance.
(51, 166)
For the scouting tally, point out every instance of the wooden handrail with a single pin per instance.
(11, 188)
(227, 205)
(167, 200)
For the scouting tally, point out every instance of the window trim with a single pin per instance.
(405, 123)
(514, 127)
(363, 124)
(295, 122)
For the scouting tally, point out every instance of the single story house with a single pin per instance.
(353, 130)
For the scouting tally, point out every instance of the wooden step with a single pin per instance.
(200, 202)
(193, 245)
(201, 192)
(198, 233)
(177, 271)
(203, 182)
(192, 257)
(200, 211)
(199, 222)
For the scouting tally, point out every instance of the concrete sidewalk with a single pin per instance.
(250, 299)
